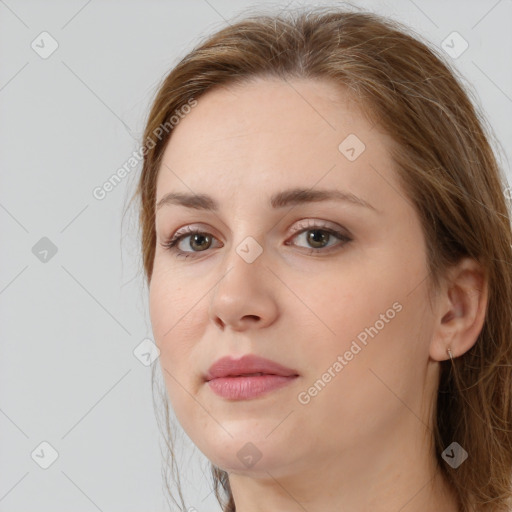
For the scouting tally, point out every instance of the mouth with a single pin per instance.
(234, 375)
(247, 377)
(248, 386)
(247, 365)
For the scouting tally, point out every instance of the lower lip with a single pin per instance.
(244, 388)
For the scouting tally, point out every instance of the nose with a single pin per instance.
(245, 296)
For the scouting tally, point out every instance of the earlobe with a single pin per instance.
(460, 316)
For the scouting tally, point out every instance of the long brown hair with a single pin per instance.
(445, 163)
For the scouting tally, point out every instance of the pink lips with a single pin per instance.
(235, 379)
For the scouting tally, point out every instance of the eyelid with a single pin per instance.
(318, 224)
(301, 226)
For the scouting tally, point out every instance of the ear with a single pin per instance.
(460, 312)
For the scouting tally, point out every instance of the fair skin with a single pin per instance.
(363, 442)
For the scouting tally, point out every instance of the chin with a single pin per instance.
(242, 455)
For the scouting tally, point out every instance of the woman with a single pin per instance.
(327, 247)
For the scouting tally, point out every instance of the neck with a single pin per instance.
(379, 476)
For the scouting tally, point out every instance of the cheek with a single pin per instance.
(172, 320)
(346, 299)
(168, 298)
(372, 381)
(379, 328)
(171, 329)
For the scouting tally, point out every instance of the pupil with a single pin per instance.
(196, 237)
(313, 237)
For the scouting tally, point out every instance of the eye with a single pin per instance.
(317, 235)
(199, 239)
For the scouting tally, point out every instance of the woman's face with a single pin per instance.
(348, 313)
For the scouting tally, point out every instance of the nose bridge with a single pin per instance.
(242, 291)
(248, 237)
(244, 264)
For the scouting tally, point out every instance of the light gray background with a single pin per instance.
(69, 325)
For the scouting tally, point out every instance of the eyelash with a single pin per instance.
(172, 243)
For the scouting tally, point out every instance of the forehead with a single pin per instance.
(272, 133)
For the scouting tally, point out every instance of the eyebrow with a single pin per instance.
(289, 197)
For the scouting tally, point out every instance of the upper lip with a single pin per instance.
(229, 366)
